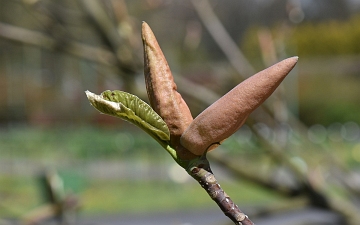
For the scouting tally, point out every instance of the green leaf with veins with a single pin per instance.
(132, 109)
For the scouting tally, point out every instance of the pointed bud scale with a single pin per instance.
(225, 116)
(161, 88)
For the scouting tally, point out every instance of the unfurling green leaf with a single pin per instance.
(131, 108)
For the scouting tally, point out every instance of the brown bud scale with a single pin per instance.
(228, 114)
(162, 90)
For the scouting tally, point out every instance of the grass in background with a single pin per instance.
(19, 195)
(76, 143)
(49, 146)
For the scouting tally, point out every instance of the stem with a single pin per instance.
(200, 170)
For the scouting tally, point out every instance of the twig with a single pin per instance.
(222, 38)
(107, 29)
(202, 173)
(41, 40)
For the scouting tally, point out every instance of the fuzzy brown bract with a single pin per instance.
(162, 91)
(225, 116)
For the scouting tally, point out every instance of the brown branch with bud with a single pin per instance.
(191, 139)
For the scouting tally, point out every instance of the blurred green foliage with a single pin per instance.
(19, 196)
(95, 143)
(335, 101)
(19, 193)
(327, 38)
(78, 142)
(145, 196)
(332, 37)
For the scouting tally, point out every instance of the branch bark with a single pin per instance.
(109, 33)
(202, 173)
(41, 40)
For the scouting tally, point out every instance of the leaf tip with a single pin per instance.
(91, 96)
(87, 92)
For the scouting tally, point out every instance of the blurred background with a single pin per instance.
(60, 158)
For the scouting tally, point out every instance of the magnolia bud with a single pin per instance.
(162, 90)
(225, 116)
